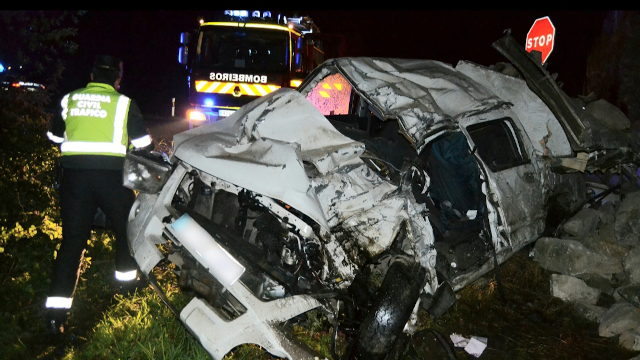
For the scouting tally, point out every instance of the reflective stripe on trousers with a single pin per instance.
(58, 302)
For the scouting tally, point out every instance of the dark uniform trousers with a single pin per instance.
(82, 192)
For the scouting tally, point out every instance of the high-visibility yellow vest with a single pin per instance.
(96, 121)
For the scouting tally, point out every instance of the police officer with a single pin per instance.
(93, 127)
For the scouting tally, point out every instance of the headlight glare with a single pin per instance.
(146, 173)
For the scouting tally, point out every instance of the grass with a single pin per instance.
(138, 327)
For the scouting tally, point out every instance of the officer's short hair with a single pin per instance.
(106, 69)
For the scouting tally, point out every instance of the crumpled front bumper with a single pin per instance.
(258, 325)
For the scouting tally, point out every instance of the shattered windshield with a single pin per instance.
(256, 49)
(331, 96)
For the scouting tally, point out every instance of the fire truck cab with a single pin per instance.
(243, 55)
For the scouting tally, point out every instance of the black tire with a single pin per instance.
(391, 310)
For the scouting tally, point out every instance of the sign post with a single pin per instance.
(541, 37)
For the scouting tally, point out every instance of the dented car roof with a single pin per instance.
(428, 97)
(425, 96)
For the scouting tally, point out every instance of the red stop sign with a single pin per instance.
(541, 37)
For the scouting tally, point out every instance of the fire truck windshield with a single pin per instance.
(234, 48)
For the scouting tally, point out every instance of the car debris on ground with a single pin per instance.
(474, 346)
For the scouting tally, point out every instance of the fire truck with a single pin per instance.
(243, 55)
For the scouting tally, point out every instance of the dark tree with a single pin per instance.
(35, 45)
(613, 69)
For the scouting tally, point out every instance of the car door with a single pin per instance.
(514, 180)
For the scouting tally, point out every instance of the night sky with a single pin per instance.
(148, 43)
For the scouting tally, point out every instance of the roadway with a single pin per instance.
(162, 129)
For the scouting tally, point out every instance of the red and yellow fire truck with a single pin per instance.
(245, 54)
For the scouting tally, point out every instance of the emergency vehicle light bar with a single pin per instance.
(301, 24)
(250, 25)
(30, 85)
(240, 13)
(245, 13)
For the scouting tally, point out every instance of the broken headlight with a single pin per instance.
(146, 171)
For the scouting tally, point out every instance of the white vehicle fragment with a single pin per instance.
(474, 346)
(259, 325)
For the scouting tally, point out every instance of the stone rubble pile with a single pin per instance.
(596, 265)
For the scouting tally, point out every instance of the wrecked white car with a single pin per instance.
(377, 187)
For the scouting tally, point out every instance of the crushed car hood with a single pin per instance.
(265, 146)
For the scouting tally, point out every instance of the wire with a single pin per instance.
(299, 266)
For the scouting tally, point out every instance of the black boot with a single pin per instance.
(56, 320)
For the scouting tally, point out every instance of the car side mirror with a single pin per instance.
(183, 52)
(185, 38)
(183, 55)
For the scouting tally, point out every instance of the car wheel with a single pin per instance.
(391, 310)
